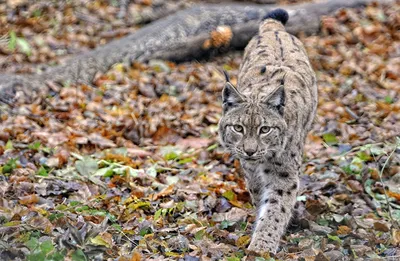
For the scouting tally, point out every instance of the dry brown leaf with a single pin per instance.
(165, 192)
(381, 226)
(136, 256)
(396, 237)
(343, 230)
(29, 200)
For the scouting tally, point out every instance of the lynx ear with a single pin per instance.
(230, 97)
(277, 99)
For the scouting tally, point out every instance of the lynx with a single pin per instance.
(265, 122)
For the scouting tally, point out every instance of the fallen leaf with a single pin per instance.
(29, 200)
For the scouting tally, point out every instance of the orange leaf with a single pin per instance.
(28, 200)
(136, 256)
(394, 195)
(343, 230)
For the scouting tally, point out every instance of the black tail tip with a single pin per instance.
(278, 15)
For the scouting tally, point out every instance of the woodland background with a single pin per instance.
(128, 166)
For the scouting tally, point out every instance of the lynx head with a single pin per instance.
(252, 129)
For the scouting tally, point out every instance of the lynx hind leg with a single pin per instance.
(274, 213)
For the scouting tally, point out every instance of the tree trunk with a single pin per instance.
(180, 36)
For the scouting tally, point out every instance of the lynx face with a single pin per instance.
(252, 130)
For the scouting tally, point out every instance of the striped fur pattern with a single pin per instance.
(265, 122)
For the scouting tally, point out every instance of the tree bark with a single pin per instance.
(178, 37)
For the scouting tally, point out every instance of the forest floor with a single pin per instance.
(129, 168)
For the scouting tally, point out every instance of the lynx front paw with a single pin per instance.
(262, 246)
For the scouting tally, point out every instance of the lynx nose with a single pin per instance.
(250, 147)
(250, 152)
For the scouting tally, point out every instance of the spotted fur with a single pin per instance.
(265, 122)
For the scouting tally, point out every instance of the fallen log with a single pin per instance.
(187, 34)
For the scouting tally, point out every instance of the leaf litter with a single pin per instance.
(130, 168)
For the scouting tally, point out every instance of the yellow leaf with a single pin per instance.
(119, 67)
(242, 241)
(104, 239)
(396, 237)
(236, 203)
(140, 204)
(173, 254)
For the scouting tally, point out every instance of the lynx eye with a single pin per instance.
(265, 130)
(238, 128)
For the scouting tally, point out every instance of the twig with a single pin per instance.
(351, 113)
(384, 189)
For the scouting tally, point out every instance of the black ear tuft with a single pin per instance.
(230, 97)
(277, 100)
(226, 76)
(278, 15)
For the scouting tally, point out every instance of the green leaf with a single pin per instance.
(37, 13)
(243, 226)
(104, 172)
(57, 256)
(74, 203)
(356, 165)
(24, 46)
(200, 234)
(363, 156)
(184, 161)
(144, 231)
(212, 147)
(225, 224)
(111, 217)
(46, 246)
(170, 152)
(117, 227)
(388, 100)
(42, 172)
(37, 256)
(86, 167)
(35, 145)
(171, 155)
(334, 238)
(229, 195)
(9, 145)
(157, 214)
(55, 216)
(32, 243)
(330, 139)
(12, 44)
(322, 222)
(10, 165)
(78, 255)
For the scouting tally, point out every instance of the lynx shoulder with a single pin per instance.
(265, 121)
